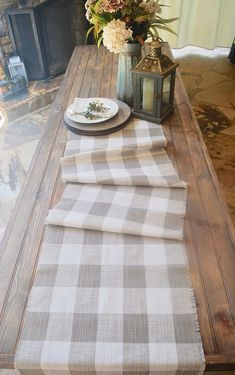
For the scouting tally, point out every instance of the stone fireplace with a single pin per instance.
(78, 22)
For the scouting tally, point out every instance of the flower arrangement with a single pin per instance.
(116, 22)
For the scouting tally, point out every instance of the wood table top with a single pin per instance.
(209, 234)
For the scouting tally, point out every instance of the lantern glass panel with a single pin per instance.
(147, 94)
(166, 92)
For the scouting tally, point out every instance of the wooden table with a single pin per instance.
(208, 230)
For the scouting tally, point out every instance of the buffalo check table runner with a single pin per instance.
(133, 156)
(145, 211)
(112, 294)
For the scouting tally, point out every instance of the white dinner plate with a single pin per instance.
(112, 125)
(78, 109)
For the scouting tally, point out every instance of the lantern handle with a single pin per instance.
(157, 38)
(155, 47)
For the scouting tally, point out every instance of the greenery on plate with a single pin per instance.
(93, 110)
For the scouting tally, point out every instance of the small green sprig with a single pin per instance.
(92, 109)
(89, 115)
(96, 107)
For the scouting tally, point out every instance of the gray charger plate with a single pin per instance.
(114, 124)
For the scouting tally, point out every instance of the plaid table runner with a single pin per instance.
(138, 134)
(111, 295)
(145, 211)
(135, 167)
(133, 156)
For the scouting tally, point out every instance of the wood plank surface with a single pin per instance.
(209, 234)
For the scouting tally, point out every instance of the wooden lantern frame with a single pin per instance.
(156, 67)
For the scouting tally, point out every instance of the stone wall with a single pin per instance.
(79, 22)
(5, 43)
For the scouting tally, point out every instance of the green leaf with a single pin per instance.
(161, 27)
(97, 29)
(141, 18)
(99, 41)
(96, 6)
(154, 31)
(165, 20)
(150, 33)
(89, 31)
(99, 18)
(95, 34)
(156, 23)
(100, 27)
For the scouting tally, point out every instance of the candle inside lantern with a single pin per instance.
(148, 92)
(166, 90)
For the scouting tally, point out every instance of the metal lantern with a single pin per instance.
(153, 85)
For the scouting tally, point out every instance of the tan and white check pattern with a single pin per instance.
(133, 156)
(109, 304)
(111, 294)
(134, 167)
(141, 210)
(138, 134)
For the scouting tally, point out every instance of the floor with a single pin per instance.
(18, 142)
(39, 94)
(209, 78)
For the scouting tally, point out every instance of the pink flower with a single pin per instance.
(111, 6)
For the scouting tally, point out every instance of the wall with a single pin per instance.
(202, 23)
(5, 43)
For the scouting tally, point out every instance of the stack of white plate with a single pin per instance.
(112, 119)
